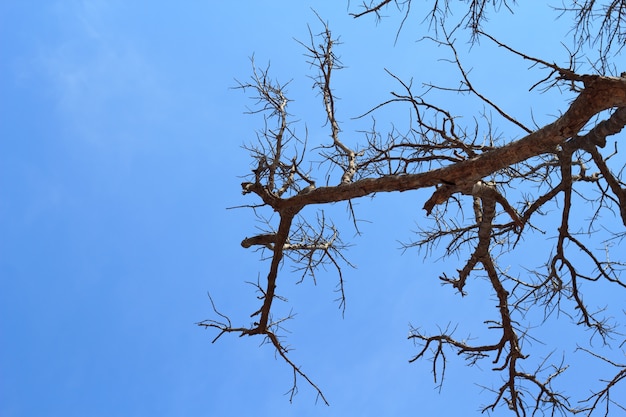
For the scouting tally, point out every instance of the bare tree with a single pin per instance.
(505, 185)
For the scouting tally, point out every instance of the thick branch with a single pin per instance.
(601, 93)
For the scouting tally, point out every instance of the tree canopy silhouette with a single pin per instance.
(493, 183)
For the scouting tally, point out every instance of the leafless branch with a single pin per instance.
(501, 189)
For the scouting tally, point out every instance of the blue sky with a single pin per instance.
(121, 152)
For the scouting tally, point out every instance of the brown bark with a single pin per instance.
(600, 93)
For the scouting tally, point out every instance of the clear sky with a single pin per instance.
(120, 152)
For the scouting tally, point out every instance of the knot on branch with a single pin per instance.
(307, 189)
(246, 187)
(440, 196)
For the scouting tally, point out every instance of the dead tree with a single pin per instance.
(490, 179)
